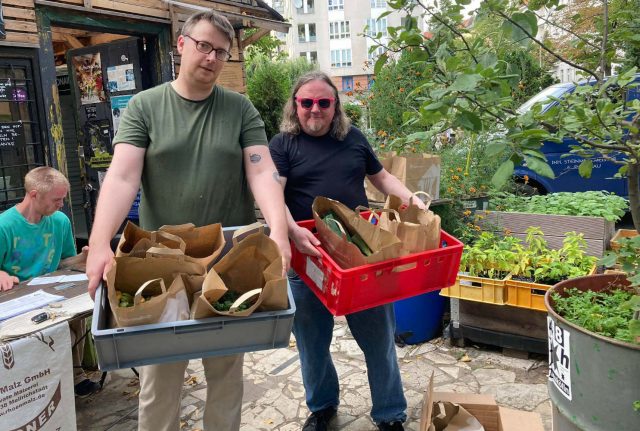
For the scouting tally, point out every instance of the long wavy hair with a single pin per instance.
(290, 123)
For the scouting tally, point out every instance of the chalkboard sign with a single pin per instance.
(11, 135)
(5, 85)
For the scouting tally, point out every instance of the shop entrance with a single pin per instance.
(98, 65)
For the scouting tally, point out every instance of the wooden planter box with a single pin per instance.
(597, 231)
(622, 233)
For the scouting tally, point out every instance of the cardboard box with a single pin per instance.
(484, 408)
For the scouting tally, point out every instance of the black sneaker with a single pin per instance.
(86, 388)
(391, 426)
(319, 421)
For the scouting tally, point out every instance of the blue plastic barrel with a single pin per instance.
(419, 319)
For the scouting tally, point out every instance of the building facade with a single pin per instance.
(337, 35)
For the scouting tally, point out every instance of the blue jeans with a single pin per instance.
(373, 330)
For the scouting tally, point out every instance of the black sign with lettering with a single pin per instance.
(11, 135)
(5, 86)
(91, 112)
(3, 33)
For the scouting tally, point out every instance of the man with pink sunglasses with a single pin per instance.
(319, 153)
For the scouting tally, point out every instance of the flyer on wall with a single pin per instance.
(118, 106)
(121, 78)
(88, 71)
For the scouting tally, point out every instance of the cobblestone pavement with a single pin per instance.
(274, 395)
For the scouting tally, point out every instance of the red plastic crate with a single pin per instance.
(345, 291)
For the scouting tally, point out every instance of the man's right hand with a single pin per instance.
(99, 261)
(305, 241)
(7, 281)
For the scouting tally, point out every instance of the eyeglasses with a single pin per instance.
(207, 48)
(307, 103)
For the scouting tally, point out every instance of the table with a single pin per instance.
(77, 304)
(38, 373)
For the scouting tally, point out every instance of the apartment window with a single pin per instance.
(339, 30)
(376, 26)
(340, 58)
(311, 56)
(380, 4)
(304, 7)
(278, 5)
(336, 4)
(347, 83)
(306, 32)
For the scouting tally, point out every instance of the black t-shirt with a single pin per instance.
(323, 166)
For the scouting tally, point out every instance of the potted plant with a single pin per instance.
(485, 267)
(592, 213)
(538, 268)
(594, 346)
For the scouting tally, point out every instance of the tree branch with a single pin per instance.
(450, 27)
(542, 45)
(558, 26)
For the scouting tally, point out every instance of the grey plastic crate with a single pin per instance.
(187, 339)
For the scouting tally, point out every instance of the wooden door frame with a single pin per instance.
(46, 17)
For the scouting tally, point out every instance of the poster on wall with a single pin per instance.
(121, 78)
(118, 106)
(37, 382)
(89, 78)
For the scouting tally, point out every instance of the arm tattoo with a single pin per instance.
(276, 176)
(255, 158)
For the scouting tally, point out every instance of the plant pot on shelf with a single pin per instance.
(593, 379)
(622, 233)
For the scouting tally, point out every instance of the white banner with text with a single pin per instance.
(36, 382)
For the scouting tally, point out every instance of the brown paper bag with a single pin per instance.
(203, 244)
(128, 274)
(252, 263)
(416, 171)
(382, 243)
(200, 244)
(418, 229)
(396, 166)
(135, 241)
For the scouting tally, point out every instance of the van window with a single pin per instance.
(554, 91)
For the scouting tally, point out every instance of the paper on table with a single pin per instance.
(74, 277)
(26, 303)
(57, 279)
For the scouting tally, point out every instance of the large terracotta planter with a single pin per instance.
(593, 380)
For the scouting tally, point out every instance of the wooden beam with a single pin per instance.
(103, 12)
(72, 41)
(255, 37)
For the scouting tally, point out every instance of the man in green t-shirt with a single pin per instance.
(34, 237)
(199, 151)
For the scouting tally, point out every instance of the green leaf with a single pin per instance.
(585, 168)
(381, 61)
(465, 83)
(502, 175)
(495, 148)
(469, 121)
(433, 106)
(538, 166)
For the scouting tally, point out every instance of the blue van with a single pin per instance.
(564, 164)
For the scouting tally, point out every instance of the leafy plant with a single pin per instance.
(595, 204)
(604, 313)
(354, 112)
(465, 84)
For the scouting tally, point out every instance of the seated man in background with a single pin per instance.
(34, 237)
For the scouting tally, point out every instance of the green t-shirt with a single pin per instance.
(28, 250)
(193, 167)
